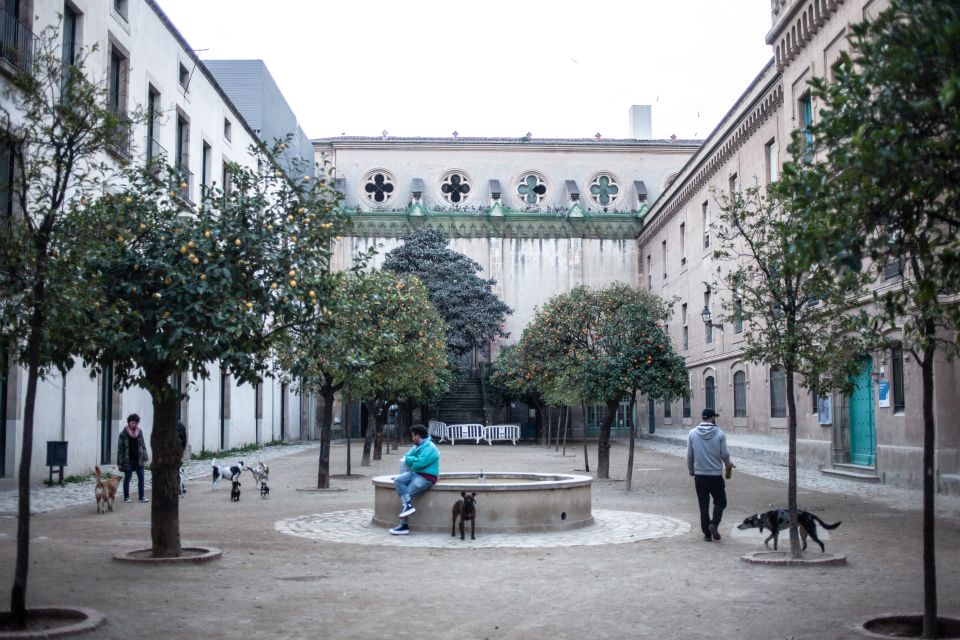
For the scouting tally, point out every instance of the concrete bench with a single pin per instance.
(502, 432)
(473, 432)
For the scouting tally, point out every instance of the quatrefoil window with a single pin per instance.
(379, 188)
(531, 189)
(455, 187)
(604, 189)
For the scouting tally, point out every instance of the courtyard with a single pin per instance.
(641, 571)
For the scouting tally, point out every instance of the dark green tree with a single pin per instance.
(55, 131)
(181, 289)
(473, 314)
(887, 180)
(802, 317)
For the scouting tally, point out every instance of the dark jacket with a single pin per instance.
(123, 450)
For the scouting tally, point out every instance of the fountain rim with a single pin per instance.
(531, 481)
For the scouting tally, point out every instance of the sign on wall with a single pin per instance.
(825, 409)
(883, 393)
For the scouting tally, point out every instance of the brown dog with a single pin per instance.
(105, 491)
(466, 509)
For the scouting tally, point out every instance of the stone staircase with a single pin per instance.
(464, 403)
(857, 472)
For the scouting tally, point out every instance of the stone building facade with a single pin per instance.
(195, 127)
(860, 433)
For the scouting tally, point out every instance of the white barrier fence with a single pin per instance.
(441, 432)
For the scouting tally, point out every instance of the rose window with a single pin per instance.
(379, 187)
(455, 187)
(604, 189)
(531, 189)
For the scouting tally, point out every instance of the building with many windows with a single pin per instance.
(191, 124)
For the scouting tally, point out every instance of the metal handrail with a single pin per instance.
(16, 41)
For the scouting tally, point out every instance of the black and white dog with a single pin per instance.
(264, 490)
(777, 520)
(235, 491)
(230, 473)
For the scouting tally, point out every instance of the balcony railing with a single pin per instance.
(184, 185)
(122, 141)
(16, 41)
(156, 157)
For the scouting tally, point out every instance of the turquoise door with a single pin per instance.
(862, 434)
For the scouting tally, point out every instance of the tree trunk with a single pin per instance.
(930, 622)
(565, 425)
(586, 456)
(382, 408)
(628, 482)
(164, 468)
(328, 394)
(18, 595)
(795, 551)
(346, 423)
(368, 429)
(603, 440)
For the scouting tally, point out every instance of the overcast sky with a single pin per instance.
(554, 68)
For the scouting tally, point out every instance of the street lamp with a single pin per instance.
(708, 319)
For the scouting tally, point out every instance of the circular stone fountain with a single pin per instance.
(507, 502)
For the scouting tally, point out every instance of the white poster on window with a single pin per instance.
(883, 393)
(825, 409)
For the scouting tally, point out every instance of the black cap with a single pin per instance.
(708, 413)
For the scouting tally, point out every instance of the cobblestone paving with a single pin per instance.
(810, 480)
(43, 498)
(609, 527)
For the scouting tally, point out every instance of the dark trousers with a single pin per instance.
(126, 480)
(710, 487)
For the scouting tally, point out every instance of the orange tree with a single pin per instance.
(400, 346)
(179, 289)
(55, 129)
(378, 335)
(605, 345)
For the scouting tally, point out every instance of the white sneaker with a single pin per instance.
(408, 510)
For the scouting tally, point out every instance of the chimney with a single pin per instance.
(640, 122)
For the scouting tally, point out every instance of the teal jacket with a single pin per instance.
(423, 458)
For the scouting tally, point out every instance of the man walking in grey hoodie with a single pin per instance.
(706, 457)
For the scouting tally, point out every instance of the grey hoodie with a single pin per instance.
(707, 450)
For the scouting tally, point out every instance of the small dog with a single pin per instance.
(105, 491)
(466, 509)
(777, 520)
(235, 491)
(264, 490)
(261, 472)
(230, 473)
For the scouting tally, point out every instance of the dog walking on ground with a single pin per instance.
(261, 472)
(230, 473)
(105, 491)
(777, 520)
(466, 509)
(235, 491)
(264, 490)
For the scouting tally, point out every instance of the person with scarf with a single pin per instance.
(132, 455)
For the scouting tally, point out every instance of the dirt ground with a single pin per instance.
(272, 585)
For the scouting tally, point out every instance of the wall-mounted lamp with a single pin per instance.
(708, 319)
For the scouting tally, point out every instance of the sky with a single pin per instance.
(553, 68)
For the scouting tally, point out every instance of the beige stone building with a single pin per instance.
(876, 431)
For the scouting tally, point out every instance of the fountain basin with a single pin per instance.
(507, 502)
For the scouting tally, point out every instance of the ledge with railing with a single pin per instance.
(184, 183)
(122, 141)
(17, 42)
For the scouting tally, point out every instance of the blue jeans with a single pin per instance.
(409, 485)
(126, 481)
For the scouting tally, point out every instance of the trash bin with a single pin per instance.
(56, 457)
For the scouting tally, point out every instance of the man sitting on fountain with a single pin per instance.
(421, 468)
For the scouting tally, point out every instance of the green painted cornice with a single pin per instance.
(497, 221)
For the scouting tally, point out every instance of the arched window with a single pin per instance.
(709, 393)
(740, 395)
(778, 392)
